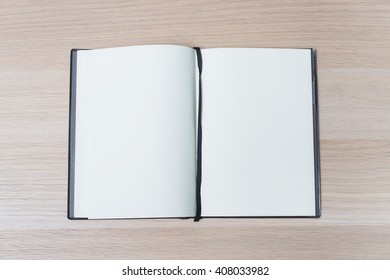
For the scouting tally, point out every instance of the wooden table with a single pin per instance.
(353, 43)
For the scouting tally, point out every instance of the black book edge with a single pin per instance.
(72, 132)
(316, 128)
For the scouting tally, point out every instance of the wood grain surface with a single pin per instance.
(353, 42)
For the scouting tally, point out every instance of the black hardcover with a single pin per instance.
(72, 132)
(316, 129)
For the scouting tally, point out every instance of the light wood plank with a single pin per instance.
(353, 42)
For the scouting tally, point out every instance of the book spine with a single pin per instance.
(199, 142)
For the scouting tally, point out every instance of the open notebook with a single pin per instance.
(162, 131)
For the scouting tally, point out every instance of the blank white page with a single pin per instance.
(135, 132)
(258, 154)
